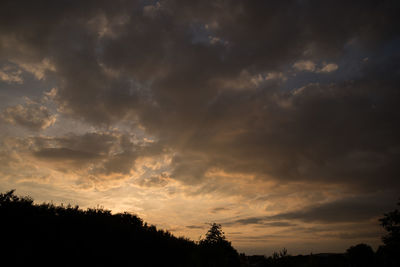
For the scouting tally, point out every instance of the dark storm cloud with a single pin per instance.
(64, 153)
(103, 153)
(348, 210)
(195, 77)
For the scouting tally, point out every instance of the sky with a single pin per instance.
(277, 119)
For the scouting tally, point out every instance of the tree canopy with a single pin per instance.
(214, 235)
(391, 223)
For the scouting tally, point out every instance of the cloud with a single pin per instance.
(279, 224)
(96, 154)
(348, 211)
(251, 220)
(64, 154)
(331, 67)
(154, 181)
(309, 66)
(133, 51)
(142, 72)
(304, 65)
(261, 221)
(31, 115)
(259, 238)
(38, 69)
(359, 209)
(220, 209)
(275, 75)
(10, 75)
(358, 235)
(195, 226)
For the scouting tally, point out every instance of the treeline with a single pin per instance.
(49, 235)
(320, 260)
(361, 255)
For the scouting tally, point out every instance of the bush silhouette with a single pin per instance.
(360, 255)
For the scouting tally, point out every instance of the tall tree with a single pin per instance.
(221, 251)
(389, 254)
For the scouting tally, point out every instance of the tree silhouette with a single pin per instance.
(214, 235)
(220, 250)
(389, 254)
(391, 223)
(50, 235)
